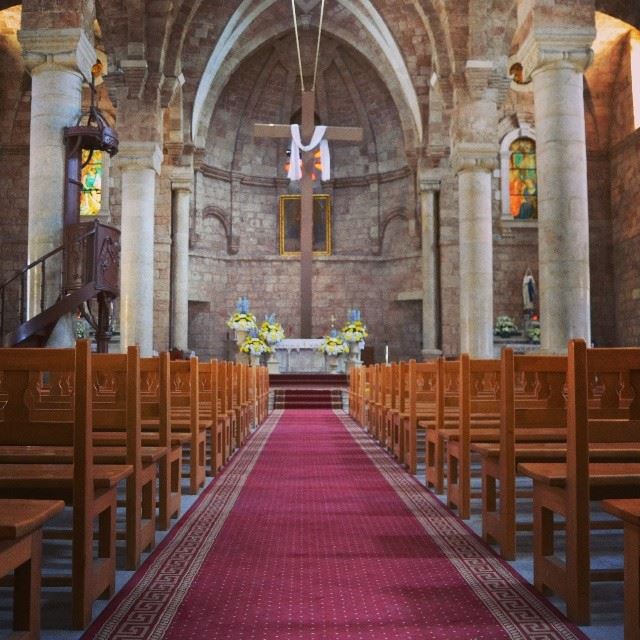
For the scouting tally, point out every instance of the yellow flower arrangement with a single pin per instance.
(255, 346)
(333, 346)
(354, 331)
(271, 332)
(242, 321)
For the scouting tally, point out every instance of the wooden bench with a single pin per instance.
(477, 420)
(447, 399)
(185, 417)
(156, 408)
(399, 411)
(567, 488)
(208, 380)
(532, 412)
(116, 421)
(90, 488)
(118, 410)
(629, 512)
(21, 552)
(419, 408)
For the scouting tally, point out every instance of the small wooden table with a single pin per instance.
(21, 552)
(628, 510)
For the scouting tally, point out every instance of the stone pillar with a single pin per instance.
(56, 59)
(556, 62)
(181, 187)
(474, 163)
(139, 163)
(429, 187)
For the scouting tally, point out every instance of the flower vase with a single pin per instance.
(332, 363)
(254, 359)
(241, 336)
(354, 356)
(272, 363)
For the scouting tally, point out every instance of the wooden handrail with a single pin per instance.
(90, 256)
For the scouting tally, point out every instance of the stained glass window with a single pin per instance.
(523, 181)
(91, 178)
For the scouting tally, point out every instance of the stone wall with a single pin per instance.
(625, 210)
(14, 154)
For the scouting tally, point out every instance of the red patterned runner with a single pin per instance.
(314, 532)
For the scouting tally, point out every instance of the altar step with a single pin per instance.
(327, 380)
(307, 398)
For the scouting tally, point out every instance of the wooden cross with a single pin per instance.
(352, 134)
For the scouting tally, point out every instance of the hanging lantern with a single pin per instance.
(85, 144)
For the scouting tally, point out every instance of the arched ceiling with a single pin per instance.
(255, 23)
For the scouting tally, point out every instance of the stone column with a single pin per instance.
(181, 187)
(474, 163)
(429, 188)
(56, 59)
(556, 62)
(139, 163)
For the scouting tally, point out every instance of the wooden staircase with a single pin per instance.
(90, 258)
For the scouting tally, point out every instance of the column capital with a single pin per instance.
(429, 180)
(181, 179)
(548, 47)
(65, 48)
(474, 156)
(143, 155)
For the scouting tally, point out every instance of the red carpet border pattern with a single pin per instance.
(520, 611)
(313, 532)
(147, 608)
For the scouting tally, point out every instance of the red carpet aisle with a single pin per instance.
(314, 532)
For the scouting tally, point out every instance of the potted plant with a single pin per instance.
(505, 327)
(255, 347)
(272, 333)
(354, 332)
(333, 346)
(241, 321)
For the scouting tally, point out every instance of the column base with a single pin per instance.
(430, 354)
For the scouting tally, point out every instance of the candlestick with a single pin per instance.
(386, 354)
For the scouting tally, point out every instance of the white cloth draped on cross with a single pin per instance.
(295, 169)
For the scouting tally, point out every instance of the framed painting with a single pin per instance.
(290, 225)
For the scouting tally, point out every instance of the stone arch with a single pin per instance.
(396, 214)
(224, 218)
(218, 68)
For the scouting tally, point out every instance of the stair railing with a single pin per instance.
(90, 254)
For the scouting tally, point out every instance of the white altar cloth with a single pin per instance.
(300, 355)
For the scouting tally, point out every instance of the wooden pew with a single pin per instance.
(477, 420)
(355, 375)
(628, 510)
(185, 417)
(567, 488)
(421, 407)
(446, 410)
(532, 427)
(156, 409)
(208, 378)
(21, 524)
(226, 416)
(388, 408)
(88, 487)
(400, 412)
(118, 410)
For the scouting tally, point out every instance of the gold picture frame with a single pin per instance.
(289, 225)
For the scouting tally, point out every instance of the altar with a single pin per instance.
(301, 355)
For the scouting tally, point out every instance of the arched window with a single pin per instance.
(523, 182)
(519, 176)
(91, 178)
